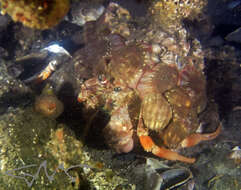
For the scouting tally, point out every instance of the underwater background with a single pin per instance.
(85, 86)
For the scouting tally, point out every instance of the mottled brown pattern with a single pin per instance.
(169, 93)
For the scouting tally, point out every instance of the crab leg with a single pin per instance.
(149, 146)
(51, 67)
(196, 138)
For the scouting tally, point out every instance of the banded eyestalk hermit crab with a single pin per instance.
(153, 96)
(153, 89)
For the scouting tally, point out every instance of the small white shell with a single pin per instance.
(156, 48)
(236, 153)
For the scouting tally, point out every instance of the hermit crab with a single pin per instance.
(149, 89)
(155, 97)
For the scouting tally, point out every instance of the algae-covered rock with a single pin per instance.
(49, 154)
(36, 13)
(45, 153)
(170, 13)
(38, 152)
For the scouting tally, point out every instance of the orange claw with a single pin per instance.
(149, 146)
(162, 152)
(196, 138)
(44, 75)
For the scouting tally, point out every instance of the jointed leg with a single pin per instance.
(149, 146)
(196, 138)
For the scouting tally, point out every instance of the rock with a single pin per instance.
(235, 36)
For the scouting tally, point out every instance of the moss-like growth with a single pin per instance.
(40, 14)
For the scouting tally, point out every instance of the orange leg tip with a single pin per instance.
(44, 75)
(171, 155)
(79, 99)
(196, 138)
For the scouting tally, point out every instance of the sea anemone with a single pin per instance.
(48, 104)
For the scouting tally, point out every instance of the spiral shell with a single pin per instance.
(165, 78)
(125, 68)
(190, 77)
(184, 120)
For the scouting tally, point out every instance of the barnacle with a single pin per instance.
(40, 14)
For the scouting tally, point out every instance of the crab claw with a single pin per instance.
(44, 75)
(196, 138)
(149, 146)
(119, 133)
